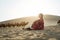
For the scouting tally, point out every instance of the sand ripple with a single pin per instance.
(50, 33)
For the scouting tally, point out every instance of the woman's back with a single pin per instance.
(38, 25)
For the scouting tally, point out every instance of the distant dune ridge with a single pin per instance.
(14, 24)
(48, 19)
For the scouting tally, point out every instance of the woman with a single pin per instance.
(38, 24)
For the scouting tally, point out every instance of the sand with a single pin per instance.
(16, 33)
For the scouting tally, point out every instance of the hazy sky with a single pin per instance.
(10, 9)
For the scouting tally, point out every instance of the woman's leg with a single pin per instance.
(28, 28)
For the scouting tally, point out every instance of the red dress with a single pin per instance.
(38, 25)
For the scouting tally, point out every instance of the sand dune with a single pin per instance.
(50, 32)
(48, 19)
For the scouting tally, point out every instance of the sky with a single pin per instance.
(11, 9)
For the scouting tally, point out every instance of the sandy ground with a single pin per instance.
(16, 33)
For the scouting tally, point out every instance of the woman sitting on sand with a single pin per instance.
(38, 24)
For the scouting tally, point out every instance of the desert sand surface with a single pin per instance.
(51, 29)
(17, 33)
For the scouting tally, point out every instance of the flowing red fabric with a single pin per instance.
(38, 25)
